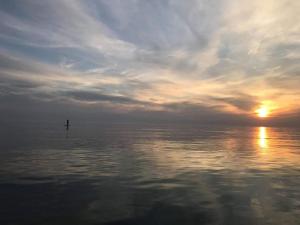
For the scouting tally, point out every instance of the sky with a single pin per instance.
(214, 61)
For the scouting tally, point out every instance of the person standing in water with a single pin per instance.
(67, 124)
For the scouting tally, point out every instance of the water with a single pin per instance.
(138, 174)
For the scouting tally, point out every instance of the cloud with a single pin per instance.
(242, 102)
(88, 96)
(221, 57)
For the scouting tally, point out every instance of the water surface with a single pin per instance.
(148, 174)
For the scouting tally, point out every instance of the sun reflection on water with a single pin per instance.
(263, 138)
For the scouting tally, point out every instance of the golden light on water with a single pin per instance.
(272, 148)
(263, 138)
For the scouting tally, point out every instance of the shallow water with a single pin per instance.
(149, 174)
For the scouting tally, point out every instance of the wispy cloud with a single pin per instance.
(225, 56)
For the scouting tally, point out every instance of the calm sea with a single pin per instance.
(147, 174)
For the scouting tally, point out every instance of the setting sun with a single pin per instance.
(262, 112)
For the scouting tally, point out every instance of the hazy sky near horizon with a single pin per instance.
(217, 59)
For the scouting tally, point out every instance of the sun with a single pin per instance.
(262, 112)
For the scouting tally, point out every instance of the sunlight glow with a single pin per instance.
(262, 112)
(263, 143)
